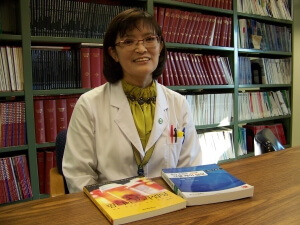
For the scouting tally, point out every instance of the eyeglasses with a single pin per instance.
(148, 42)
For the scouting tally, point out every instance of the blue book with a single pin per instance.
(206, 184)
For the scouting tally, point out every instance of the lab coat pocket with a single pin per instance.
(174, 149)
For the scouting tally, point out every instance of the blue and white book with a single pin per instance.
(206, 184)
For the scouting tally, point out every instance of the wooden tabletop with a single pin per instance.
(275, 177)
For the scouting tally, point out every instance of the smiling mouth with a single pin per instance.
(141, 59)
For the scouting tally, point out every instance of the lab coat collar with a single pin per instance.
(125, 120)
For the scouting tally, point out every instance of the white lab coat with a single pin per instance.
(102, 129)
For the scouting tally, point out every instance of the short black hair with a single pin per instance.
(128, 20)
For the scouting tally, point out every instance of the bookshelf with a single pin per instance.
(20, 34)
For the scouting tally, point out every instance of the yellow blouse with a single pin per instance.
(142, 104)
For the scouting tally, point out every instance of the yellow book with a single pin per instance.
(133, 199)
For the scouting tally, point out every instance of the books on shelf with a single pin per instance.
(52, 114)
(132, 199)
(179, 26)
(206, 184)
(273, 37)
(279, 9)
(256, 105)
(11, 69)
(14, 179)
(193, 69)
(211, 108)
(13, 124)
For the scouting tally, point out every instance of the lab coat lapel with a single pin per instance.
(124, 117)
(160, 119)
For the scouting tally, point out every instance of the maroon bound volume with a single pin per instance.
(50, 119)
(70, 107)
(41, 170)
(40, 135)
(180, 70)
(61, 114)
(48, 165)
(85, 68)
(95, 67)
(173, 68)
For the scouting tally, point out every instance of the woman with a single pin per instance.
(131, 125)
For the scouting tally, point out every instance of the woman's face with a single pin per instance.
(137, 61)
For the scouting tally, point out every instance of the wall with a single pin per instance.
(296, 76)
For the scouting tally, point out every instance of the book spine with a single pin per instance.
(85, 68)
(48, 166)
(50, 119)
(41, 170)
(95, 68)
(61, 114)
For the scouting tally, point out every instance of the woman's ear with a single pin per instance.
(113, 54)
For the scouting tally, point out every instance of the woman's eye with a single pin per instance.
(128, 42)
(150, 39)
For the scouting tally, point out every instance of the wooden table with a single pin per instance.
(275, 177)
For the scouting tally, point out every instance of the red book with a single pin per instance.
(203, 27)
(180, 70)
(195, 69)
(216, 69)
(278, 131)
(61, 114)
(174, 71)
(201, 67)
(39, 120)
(85, 68)
(195, 32)
(95, 70)
(217, 31)
(192, 29)
(224, 31)
(185, 16)
(167, 17)
(226, 4)
(48, 166)
(155, 13)
(50, 119)
(171, 77)
(190, 68)
(175, 25)
(103, 79)
(171, 25)
(210, 74)
(166, 80)
(189, 74)
(41, 170)
(187, 31)
(206, 71)
(71, 102)
(208, 29)
(229, 32)
(218, 64)
(161, 15)
(211, 31)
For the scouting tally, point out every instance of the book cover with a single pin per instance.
(61, 114)
(132, 199)
(95, 67)
(206, 184)
(50, 119)
(85, 68)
